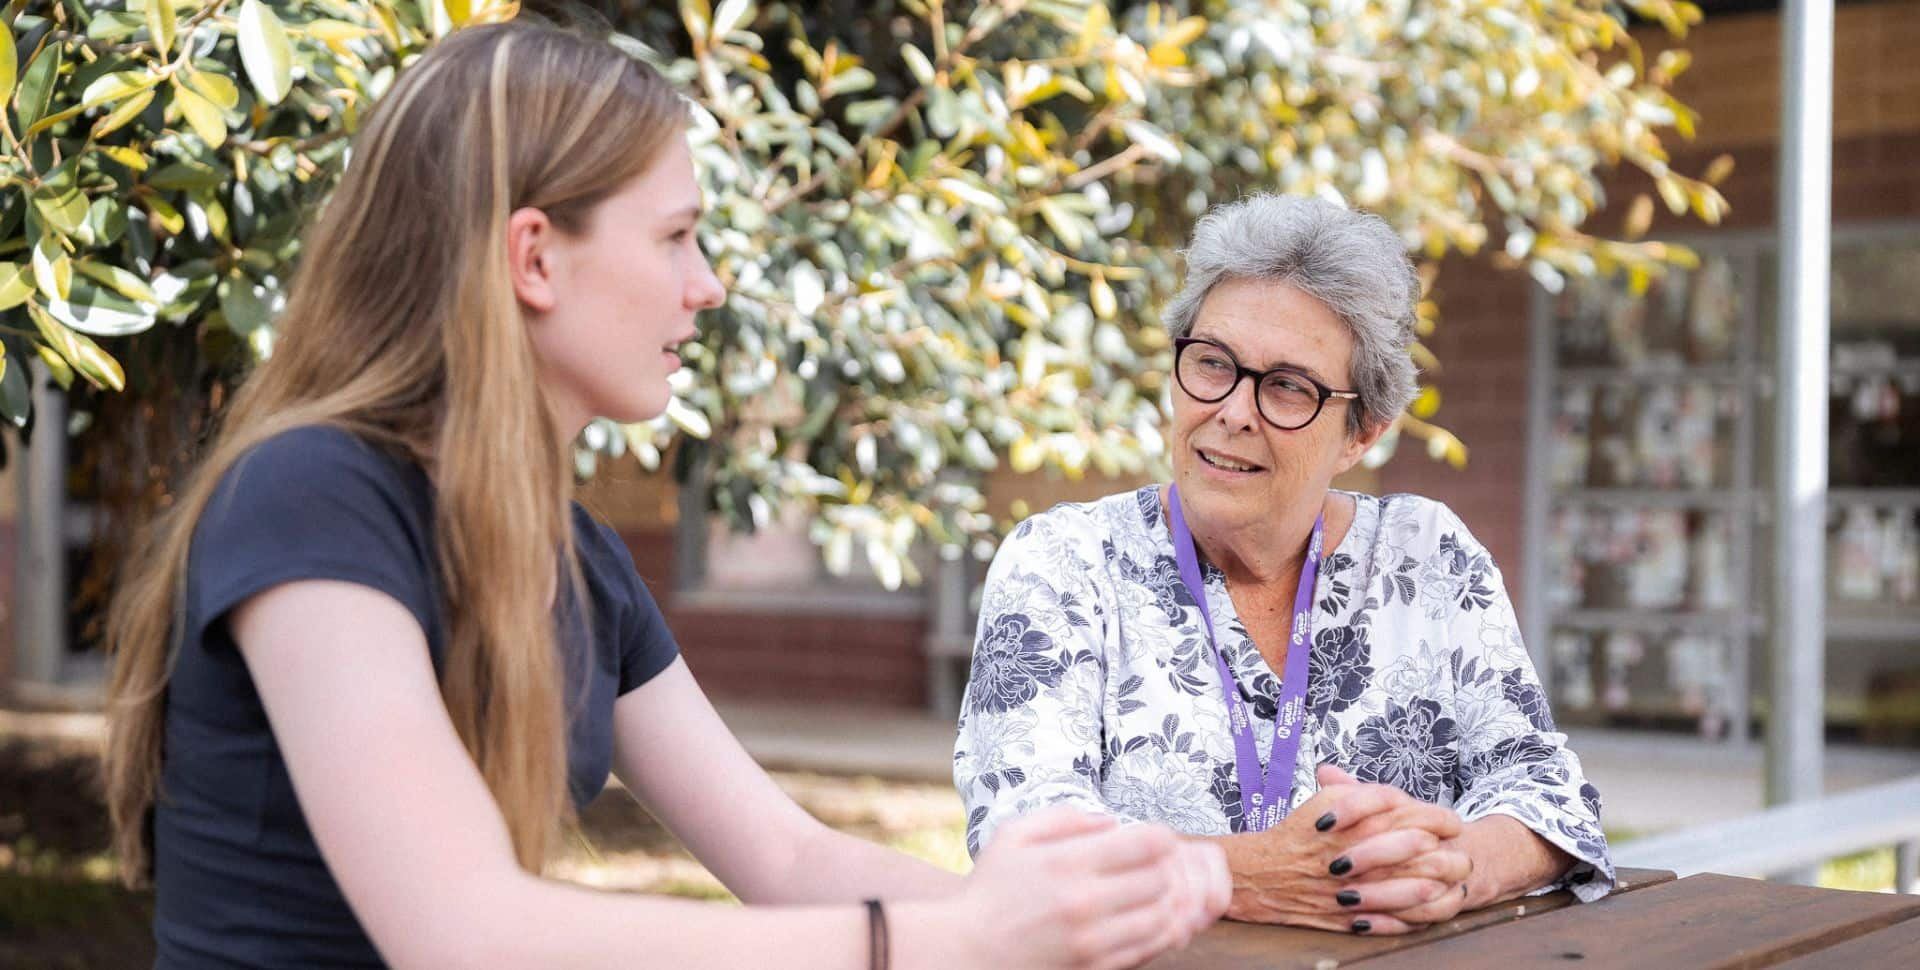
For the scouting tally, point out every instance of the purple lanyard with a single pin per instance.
(1264, 801)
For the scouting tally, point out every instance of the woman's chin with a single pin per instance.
(639, 408)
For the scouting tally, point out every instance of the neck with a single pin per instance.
(1266, 552)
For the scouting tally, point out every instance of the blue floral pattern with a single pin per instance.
(1012, 661)
(1093, 684)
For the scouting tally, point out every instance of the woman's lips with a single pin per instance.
(1214, 462)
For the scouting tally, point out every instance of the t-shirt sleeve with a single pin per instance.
(646, 645)
(314, 503)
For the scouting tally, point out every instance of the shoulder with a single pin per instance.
(606, 563)
(1097, 519)
(1402, 520)
(1083, 528)
(315, 503)
(311, 461)
(635, 640)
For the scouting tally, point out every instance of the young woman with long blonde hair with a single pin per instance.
(372, 659)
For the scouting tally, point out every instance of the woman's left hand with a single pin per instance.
(1446, 868)
(1447, 864)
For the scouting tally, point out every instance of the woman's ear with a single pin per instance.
(530, 258)
(1359, 444)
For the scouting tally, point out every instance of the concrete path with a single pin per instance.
(1649, 782)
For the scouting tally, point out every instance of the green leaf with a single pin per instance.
(114, 26)
(120, 84)
(57, 365)
(217, 88)
(243, 308)
(917, 63)
(122, 113)
(163, 212)
(186, 175)
(86, 357)
(100, 313)
(1061, 222)
(161, 25)
(36, 89)
(62, 206)
(265, 51)
(16, 392)
(202, 116)
(120, 153)
(121, 281)
(853, 80)
(52, 270)
(16, 284)
(1152, 139)
(730, 15)
(9, 63)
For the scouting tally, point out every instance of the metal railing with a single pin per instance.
(1790, 837)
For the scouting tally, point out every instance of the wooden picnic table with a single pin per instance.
(1651, 921)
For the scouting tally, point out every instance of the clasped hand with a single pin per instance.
(1355, 857)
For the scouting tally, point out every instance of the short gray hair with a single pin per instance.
(1351, 261)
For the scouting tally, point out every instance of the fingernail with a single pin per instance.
(1347, 897)
(1362, 926)
(1341, 866)
(1324, 822)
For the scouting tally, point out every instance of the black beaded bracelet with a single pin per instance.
(876, 936)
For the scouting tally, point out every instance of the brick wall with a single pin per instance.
(750, 651)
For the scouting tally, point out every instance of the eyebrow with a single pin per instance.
(690, 212)
(1284, 365)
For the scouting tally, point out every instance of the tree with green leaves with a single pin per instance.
(944, 227)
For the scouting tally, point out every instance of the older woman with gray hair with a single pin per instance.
(1329, 684)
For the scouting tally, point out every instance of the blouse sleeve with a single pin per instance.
(1030, 731)
(1512, 760)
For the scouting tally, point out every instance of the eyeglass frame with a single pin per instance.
(1241, 372)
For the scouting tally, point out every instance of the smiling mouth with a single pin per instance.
(1224, 463)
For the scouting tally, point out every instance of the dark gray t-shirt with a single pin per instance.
(239, 881)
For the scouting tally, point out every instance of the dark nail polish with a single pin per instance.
(1347, 897)
(1362, 926)
(1324, 822)
(1341, 866)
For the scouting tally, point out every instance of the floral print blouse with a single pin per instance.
(1093, 683)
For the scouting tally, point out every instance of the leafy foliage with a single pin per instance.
(944, 227)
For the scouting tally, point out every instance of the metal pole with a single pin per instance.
(1794, 727)
(1536, 611)
(40, 577)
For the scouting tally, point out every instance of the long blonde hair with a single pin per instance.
(402, 326)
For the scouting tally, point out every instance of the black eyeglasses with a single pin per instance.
(1285, 396)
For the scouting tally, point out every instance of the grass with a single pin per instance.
(1869, 871)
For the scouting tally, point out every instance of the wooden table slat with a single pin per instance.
(1706, 921)
(1247, 946)
(1896, 946)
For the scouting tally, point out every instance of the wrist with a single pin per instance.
(929, 934)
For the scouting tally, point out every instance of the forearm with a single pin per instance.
(1252, 863)
(1509, 860)
(833, 866)
(544, 923)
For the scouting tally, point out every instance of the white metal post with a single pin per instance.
(1798, 631)
(40, 570)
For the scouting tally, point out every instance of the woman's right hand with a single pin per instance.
(1065, 889)
(1302, 874)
